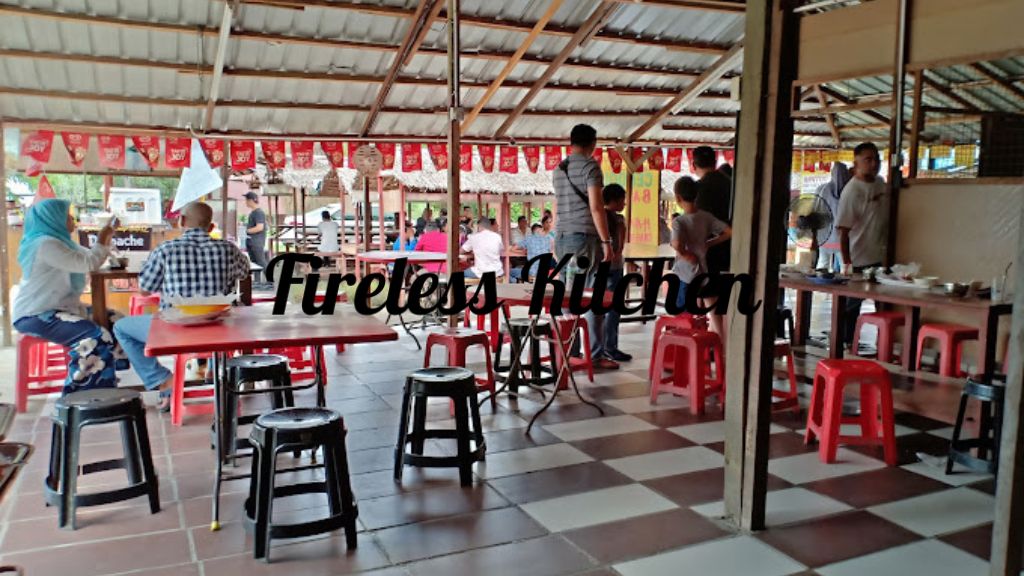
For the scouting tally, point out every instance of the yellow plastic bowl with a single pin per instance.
(201, 309)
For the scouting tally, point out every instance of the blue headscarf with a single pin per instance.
(47, 219)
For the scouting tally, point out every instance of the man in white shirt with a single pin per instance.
(863, 224)
(486, 247)
(328, 233)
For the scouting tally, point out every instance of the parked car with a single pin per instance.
(292, 224)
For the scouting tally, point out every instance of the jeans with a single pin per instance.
(681, 297)
(828, 258)
(580, 244)
(258, 256)
(851, 311)
(132, 332)
(604, 329)
(94, 354)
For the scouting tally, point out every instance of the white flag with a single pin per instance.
(197, 180)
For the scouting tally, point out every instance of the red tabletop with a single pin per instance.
(255, 326)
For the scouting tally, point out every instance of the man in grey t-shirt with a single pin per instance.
(256, 232)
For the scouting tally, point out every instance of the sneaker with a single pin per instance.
(606, 364)
(620, 356)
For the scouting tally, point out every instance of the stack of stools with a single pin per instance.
(39, 362)
(459, 385)
(951, 338)
(887, 323)
(296, 429)
(456, 341)
(825, 414)
(243, 373)
(520, 337)
(990, 395)
(692, 375)
(74, 412)
(668, 323)
(786, 399)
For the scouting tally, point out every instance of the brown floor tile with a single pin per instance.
(368, 420)
(679, 417)
(557, 482)
(371, 460)
(547, 556)
(907, 448)
(779, 445)
(644, 536)
(29, 502)
(619, 391)
(323, 557)
(516, 439)
(191, 569)
(571, 412)
(632, 444)
(423, 506)
(918, 422)
(837, 538)
(372, 438)
(457, 534)
(351, 406)
(91, 525)
(977, 540)
(233, 538)
(107, 556)
(986, 486)
(700, 487)
(201, 484)
(875, 487)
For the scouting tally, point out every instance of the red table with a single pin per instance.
(256, 327)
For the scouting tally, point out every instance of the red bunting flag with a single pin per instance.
(178, 152)
(38, 146)
(615, 160)
(412, 157)
(149, 148)
(657, 160)
(352, 147)
(730, 156)
(466, 157)
(273, 153)
(77, 144)
(214, 150)
(302, 155)
(689, 157)
(532, 155)
(597, 154)
(509, 159)
(674, 161)
(438, 155)
(387, 153)
(552, 157)
(111, 151)
(486, 157)
(44, 190)
(335, 152)
(636, 154)
(243, 155)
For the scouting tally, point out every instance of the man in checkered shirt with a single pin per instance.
(192, 265)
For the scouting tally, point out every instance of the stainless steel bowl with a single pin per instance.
(957, 289)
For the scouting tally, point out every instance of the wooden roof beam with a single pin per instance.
(844, 100)
(949, 94)
(829, 118)
(598, 16)
(218, 62)
(691, 92)
(999, 79)
(839, 108)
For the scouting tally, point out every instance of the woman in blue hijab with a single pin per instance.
(48, 304)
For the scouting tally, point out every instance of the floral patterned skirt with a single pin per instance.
(94, 354)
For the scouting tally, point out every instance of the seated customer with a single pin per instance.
(48, 304)
(486, 247)
(191, 265)
(536, 244)
(433, 240)
(406, 240)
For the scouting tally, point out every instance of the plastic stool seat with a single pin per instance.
(692, 375)
(886, 323)
(456, 342)
(38, 362)
(951, 338)
(667, 322)
(786, 399)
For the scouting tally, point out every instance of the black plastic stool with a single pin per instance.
(297, 429)
(243, 372)
(784, 319)
(990, 427)
(458, 384)
(520, 336)
(88, 408)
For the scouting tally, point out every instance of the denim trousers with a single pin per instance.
(604, 329)
(580, 244)
(131, 332)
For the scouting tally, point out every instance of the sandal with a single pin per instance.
(165, 402)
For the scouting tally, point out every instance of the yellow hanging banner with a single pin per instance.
(939, 151)
(643, 208)
(963, 154)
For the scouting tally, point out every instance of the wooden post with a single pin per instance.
(1008, 531)
(765, 142)
(344, 232)
(108, 182)
(224, 173)
(382, 240)
(629, 204)
(899, 78)
(367, 220)
(5, 271)
(504, 216)
(454, 141)
(302, 201)
(916, 124)
(401, 210)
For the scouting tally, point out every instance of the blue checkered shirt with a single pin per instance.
(193, 265)
(535, 245)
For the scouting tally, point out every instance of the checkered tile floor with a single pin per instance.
(637, 492)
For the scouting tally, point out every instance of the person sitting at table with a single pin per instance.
(191, 265)
(48, 304)
(537, 243)
(432, 240)
(426, 217)
(487, 247)
(328, 229)
(548, 224)
(406, 241)
(693, 233)
(521, 231)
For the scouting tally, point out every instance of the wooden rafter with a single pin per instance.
(829, 118)
(425, 14)
(691, 92)
(839, 108)
(223, 33)
(999, 79)
(844, 100)
(511, 64)
(949, 94)
(599, 15)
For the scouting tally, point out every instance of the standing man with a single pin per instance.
(328, 229)
(425, 218)
(863, 224)
(714, 196)
(256, 232)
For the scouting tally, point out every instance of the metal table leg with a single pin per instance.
(562, 347)
(219, 384)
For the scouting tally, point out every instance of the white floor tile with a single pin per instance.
(808, 467)
(667, 463)
(936, 470)
(711, 432)
(618, 376)
(597, 507)
(785, 507)
(490, 421)
(643, 404)
(727, 557)
(598, 427)
(939, 512)
(530, 460)
(924, 558)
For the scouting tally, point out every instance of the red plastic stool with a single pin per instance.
(586, 362)
(139, 304)
(481, 323)
(456, 341)
(783, 399)
(300, 362)
(179, 394)
(39, 361)
(887, 323)
(684, 321)
(825, 414)
(692, 376)
(951, 338)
